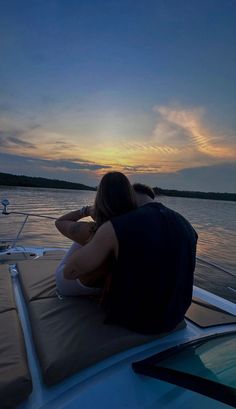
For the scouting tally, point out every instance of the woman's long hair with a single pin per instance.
(115, 196)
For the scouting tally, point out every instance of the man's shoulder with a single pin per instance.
(106, 232)
(141, 211)
(106, 229)
(178, 219)
(106, 237)
(126, 217)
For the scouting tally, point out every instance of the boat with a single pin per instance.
(56, 352)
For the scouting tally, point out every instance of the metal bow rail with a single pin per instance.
(5, 203)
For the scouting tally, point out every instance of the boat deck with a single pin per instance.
(69, 348)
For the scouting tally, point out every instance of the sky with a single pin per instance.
(147, 88)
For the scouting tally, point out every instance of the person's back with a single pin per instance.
(152, 283)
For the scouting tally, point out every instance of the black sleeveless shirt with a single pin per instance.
(151, 286)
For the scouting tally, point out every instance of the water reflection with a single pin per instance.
(214, 221)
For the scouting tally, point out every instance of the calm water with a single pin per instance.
(214, 221)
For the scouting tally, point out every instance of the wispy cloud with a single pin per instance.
(70, 165)
(179, 139)
(62, 165)
(185, 128)
(13, 140)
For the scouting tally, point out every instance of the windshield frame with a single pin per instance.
(152, 367)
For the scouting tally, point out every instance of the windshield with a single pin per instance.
(207, 366)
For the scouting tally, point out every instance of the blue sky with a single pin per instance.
(147, 88)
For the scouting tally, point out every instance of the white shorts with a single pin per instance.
(72, 287)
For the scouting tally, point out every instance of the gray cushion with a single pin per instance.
(38, 278)
(69, 334)
(15, 380)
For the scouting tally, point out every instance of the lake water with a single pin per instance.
(215, 222)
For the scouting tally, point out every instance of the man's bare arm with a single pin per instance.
(91, 256)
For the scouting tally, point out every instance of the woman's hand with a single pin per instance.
(91, 211)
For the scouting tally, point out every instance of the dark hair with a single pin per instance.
(144, 189)
(115, 196)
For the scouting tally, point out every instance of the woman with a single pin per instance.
(115, 196)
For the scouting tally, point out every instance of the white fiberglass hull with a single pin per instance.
(20, 253)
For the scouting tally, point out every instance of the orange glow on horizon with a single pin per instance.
(179, 140)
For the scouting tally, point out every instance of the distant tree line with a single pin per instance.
(197, 195)
(7, 179)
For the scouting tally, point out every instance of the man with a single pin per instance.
(155, 251)
(143, 193)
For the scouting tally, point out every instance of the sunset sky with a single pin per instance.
(144, 87)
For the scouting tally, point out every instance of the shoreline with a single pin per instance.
(9, 180)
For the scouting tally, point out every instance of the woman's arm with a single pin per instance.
(92, 256)
(68, 225)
